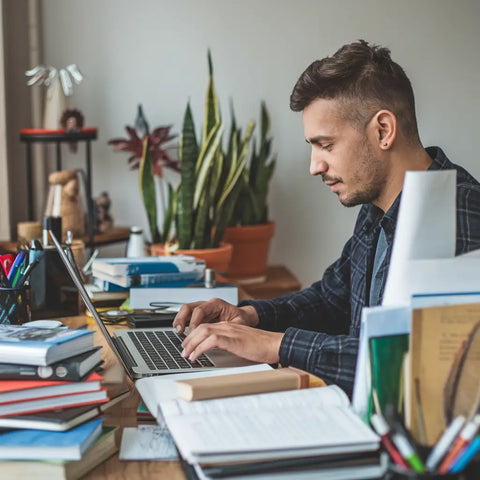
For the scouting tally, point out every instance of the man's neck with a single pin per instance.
(401, 161)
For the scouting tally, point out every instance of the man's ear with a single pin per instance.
(384, 126)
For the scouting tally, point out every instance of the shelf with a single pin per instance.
(58, 135)
(279, 281)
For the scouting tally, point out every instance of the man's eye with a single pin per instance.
(327, 147)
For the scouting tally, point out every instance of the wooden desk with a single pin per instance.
(279, 281)
(124, 414)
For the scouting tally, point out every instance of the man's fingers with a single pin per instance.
(183, 315)
(206, 312)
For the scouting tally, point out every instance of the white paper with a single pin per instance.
(269, 425)
(153, 390)
(425, 229)
(147, 442)
(376, 322)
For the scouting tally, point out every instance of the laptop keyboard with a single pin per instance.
(162, 350)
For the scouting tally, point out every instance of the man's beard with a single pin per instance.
(370, 191)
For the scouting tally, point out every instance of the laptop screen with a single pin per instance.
(86, 300)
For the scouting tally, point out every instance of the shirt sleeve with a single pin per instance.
(316, 323)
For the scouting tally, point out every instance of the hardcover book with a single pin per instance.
(144, 298)
(44, 445)
(112, 283)
(20, 390)
(73, 369)
(49, 403)
(41, 346)
(102, 449)
(140, 265)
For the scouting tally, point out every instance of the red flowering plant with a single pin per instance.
(150, 162)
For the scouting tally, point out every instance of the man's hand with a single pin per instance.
(215, 310)
(247, 342)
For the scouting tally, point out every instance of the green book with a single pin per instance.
(386, 361)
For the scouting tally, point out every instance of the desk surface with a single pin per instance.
(123, 414)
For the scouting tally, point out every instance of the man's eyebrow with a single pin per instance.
(320, 138)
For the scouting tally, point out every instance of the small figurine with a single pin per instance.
(72, 121)
(103, 219)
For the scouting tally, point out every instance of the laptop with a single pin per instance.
(144, 352)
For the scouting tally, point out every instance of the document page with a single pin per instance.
(425, 228)
(269, 425)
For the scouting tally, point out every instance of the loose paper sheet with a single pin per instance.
(147, 442)
(425, 228)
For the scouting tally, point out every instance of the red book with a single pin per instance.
(20, 390)
(50, 403)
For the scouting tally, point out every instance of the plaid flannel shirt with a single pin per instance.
(322, 322)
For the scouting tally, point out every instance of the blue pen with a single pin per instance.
(464, 457)
(16, 265)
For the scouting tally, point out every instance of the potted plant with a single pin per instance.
(202, 205)
(150, 154)
(251, 231)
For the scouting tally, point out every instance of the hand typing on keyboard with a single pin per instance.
(218, 324)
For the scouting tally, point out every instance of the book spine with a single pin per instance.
(180, 279)
(61, 372)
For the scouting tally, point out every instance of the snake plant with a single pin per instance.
(252, 208)
(211, 180)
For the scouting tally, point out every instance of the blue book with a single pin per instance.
(121, 283)
(24, 345)
(139, 265)
(47, 445)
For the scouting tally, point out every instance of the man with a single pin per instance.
(359, 118)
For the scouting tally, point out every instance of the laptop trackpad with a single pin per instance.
(222, 359)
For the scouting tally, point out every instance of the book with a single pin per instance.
(437, 335)
(20, 390)
(112, 283)
(140, 265)
(60, 419)
(45, 445)
(49, 403)
(144, 298)
(105, 298)
(386, 362)
(268, 426)
(241, 384)
(102, 449)
(154, 390)
(73, 369)
(41, 346)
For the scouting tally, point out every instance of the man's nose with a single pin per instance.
(317, 165)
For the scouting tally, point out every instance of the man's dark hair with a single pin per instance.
(364, 79)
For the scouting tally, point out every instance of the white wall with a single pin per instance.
(154, 52)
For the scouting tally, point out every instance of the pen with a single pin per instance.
(29, 269)
(381, 427)
(6, 261)
(16, 265)
(465, 456)
(442, 446)
(464, 438)
(408, 453)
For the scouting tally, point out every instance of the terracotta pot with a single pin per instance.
(216, 258)
(250, 252)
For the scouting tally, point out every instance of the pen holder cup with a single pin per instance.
(15, 305)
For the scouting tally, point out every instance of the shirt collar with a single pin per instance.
(388, 220)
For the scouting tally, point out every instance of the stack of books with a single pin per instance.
(51, 401)
(155, 282)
